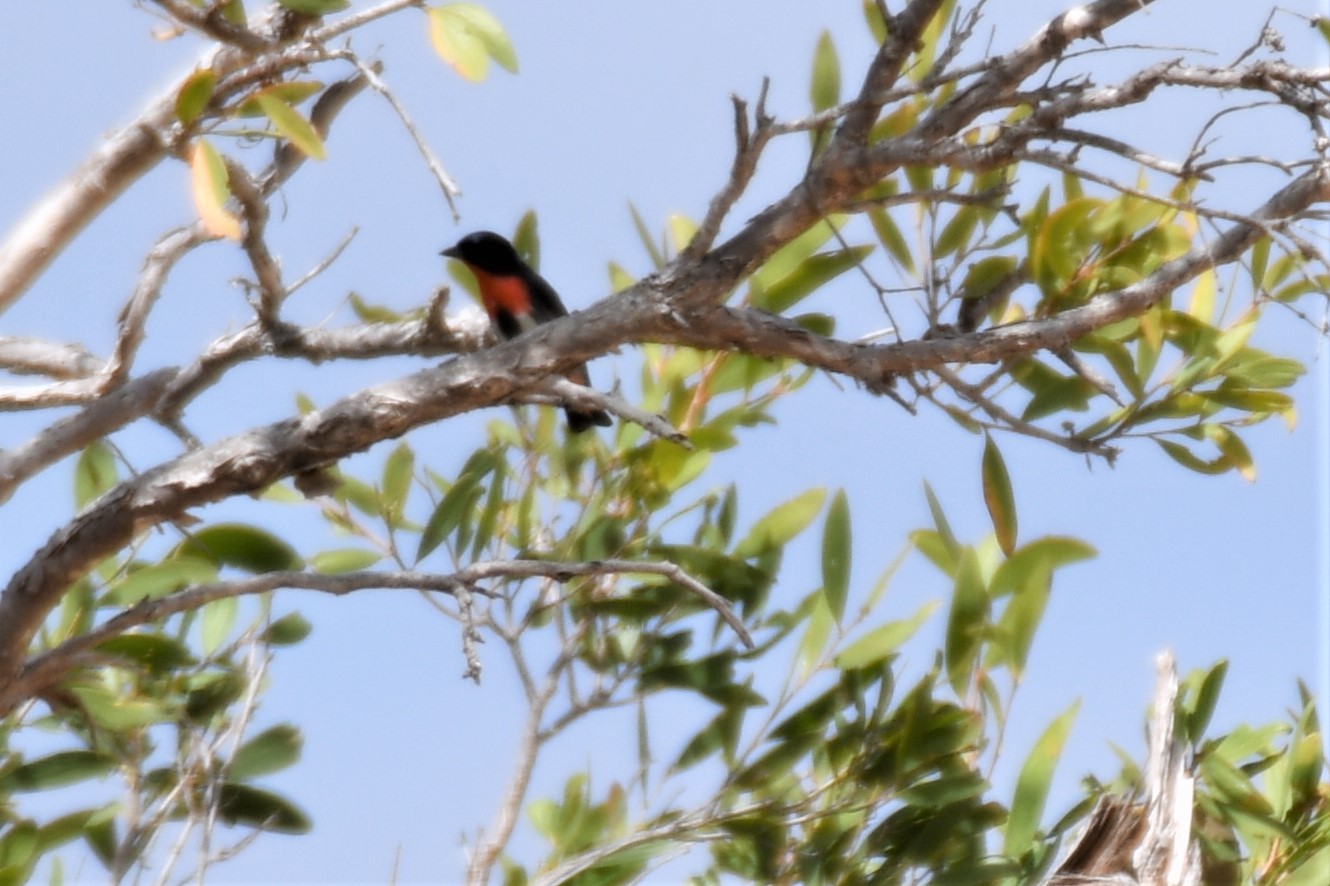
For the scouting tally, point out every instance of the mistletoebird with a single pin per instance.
(518, 300)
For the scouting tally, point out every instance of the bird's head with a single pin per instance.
(486, 251)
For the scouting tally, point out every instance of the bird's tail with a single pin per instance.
(580, 420)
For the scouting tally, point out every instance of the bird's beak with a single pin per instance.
(452, 252)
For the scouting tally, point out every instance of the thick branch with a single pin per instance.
(903, 32)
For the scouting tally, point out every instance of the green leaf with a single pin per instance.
(266, 811)
(287, 630)
(1189, 460)
(526, 239)
(489, 515)
(825, 89)
(955, 235)
(342, 560)
(397, 475)
(889, 235)
(1037, 557)
(648, 241)
(1203, 705)
(456, 502)
(720, 734)
(985, 275)
(269, 751)
(153, 651)
(1249, 400)
(1061, 244)
(812, 274)
(877, 25)
(884, 640)
(233, 11)
(836, 555)
(100, 835)
(998, 496)
(239, 545)
(56, 771)
(781, 524)
(1020, 620)
(160, 579)
(1259, 370)
(194, 95)
(216, 621)
(788, 258)
(19, 845)
(966, 622)
(1233, 785)
(467, 36)
(1234, 452)
(315, 7)
(95, 473)
(371, 313)
(681, 229)
(294, 127)
(1027, 803)
(814, 640)
(114, 711)
(290, 92)
(940, 521)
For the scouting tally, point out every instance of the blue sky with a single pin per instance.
(620, 102)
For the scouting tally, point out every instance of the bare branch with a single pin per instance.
(445, 181)
(30, 356)
(70, 434)
(748, 146)
(567, 391)
(134, 315)
(213, 23)
(46, 669)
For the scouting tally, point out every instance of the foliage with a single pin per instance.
(610, 569)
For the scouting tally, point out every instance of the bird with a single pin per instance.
(518, 300)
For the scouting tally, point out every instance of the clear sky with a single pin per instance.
(619, 102)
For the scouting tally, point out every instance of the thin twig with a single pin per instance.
(445, 181)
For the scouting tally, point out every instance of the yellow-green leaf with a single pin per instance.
(783, 523)
(1202, 305)
(160, 579)
(883, 640)
(295, 128)
(194, 95)
(211, 188)
(467, 36)
(95, 472)
(115, 711)
(825, 89)
(681, 228)
(216, 622)
(292, 92)
(1235, 453)
(342, 560)
(526, 239)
